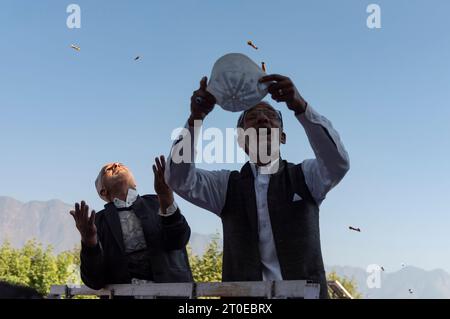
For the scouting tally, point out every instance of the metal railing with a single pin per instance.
(337, 290)
(265, 289)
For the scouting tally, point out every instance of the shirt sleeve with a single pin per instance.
(332, 161)
(206, 189)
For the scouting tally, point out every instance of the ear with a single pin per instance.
(283, 138)
(104, 195)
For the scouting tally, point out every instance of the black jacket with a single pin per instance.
(166, 239)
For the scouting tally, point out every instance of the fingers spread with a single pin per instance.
(92, 218)
(163, 162)
(74, 215)
(158, 165)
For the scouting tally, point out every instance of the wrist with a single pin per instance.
(90, 242)
(169, 210)
(299, 107)
(195, 117)
(165, 202)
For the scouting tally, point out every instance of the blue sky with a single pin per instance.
(65, 113)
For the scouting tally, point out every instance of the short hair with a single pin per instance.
(240, 122)
(99, 182)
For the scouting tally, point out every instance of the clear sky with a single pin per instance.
(387, 91)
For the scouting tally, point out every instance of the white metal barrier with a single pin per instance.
(266, 289)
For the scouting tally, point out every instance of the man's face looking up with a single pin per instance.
(265, 121)
(117, 180)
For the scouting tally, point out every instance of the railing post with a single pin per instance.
(68, 294)
(271, 290)
(193, 291)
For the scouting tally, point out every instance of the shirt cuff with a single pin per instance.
(172, 219)
(172, 209)
(310, 115)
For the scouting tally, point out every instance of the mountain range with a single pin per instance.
(50, 223)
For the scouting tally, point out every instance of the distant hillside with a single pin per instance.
(51, 224)
(48, 222)
(434, 284)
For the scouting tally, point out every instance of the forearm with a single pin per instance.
(325, 142)
(206, 189)
(180, 170)
(92, 266)
(331, 162)
(175, 231)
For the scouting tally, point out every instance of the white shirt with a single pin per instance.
(208, 189)
(133, 234)
(271, 269)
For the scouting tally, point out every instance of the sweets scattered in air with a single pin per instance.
(263, 67)
(250, 43)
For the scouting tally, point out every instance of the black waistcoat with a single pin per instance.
(295, 227)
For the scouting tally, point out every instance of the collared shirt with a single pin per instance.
(133, 234)
(271, 269)
(208, 189)
(134, 242)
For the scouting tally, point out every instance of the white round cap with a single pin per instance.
(234, 82)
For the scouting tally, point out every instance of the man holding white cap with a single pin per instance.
(270, 208)
(134, 237)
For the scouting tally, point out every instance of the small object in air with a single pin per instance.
(403, 265)
(263, 67)
(411, 291)
(250, 43)
(382, 268)
(355, 229)
(137, 58)
(75, 47)
(234, 82)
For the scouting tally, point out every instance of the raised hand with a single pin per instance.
(85, 224)
(283, 90)
(202, 102)
(164, 192)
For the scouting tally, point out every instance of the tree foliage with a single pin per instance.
(349, 284)
(38, 267)
(207, 267)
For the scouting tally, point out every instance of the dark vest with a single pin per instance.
(295, 227)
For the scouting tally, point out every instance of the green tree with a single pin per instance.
(38, 267)
(207, 267)
(349, 284)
